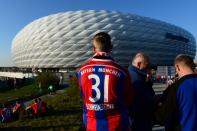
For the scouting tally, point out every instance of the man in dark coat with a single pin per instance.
(179, 109)
(143, 104)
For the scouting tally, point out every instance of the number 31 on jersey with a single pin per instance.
(97, 90)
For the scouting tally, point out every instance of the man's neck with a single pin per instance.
(186, 72)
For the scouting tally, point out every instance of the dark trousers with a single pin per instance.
(141, 124)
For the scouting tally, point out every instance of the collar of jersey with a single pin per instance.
(102, 56)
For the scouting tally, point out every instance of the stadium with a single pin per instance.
(63, 40)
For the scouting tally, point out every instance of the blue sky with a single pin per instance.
(15, 14)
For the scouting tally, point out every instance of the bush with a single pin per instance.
(44, 79)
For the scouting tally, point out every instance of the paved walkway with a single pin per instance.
(27, 103)
(158, 128)
(159, 87)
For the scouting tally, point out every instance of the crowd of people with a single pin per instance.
(119, 99)
(16, 111)
(37, 108)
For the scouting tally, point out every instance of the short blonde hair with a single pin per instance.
(185, 60)
(102, 41)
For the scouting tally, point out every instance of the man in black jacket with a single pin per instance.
(143, 104)
(179, 109)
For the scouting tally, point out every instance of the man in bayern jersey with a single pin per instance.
(106, 89)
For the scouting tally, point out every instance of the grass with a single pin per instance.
(24, 92)
(65, 116)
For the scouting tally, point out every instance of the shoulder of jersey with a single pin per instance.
(120, 67)
(111, 63)
(85, 64)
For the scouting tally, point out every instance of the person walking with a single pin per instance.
(144, 96)
(106, 89)
(51, 89)
(179, 109)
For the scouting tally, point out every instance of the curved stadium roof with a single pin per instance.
(63, 40)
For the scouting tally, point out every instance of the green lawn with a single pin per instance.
(23, 92)
(66, 114)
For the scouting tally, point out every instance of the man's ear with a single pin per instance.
(178, 67)
(139, 65)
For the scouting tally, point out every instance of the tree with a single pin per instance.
(44, 79)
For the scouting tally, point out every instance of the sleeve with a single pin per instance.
(128, 91)
(167, 110)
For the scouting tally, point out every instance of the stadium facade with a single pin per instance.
(63, 40)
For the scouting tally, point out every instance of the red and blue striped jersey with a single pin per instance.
(107, 93)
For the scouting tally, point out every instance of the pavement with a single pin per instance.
(27, 103)
(159, 88)
(158, 128)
